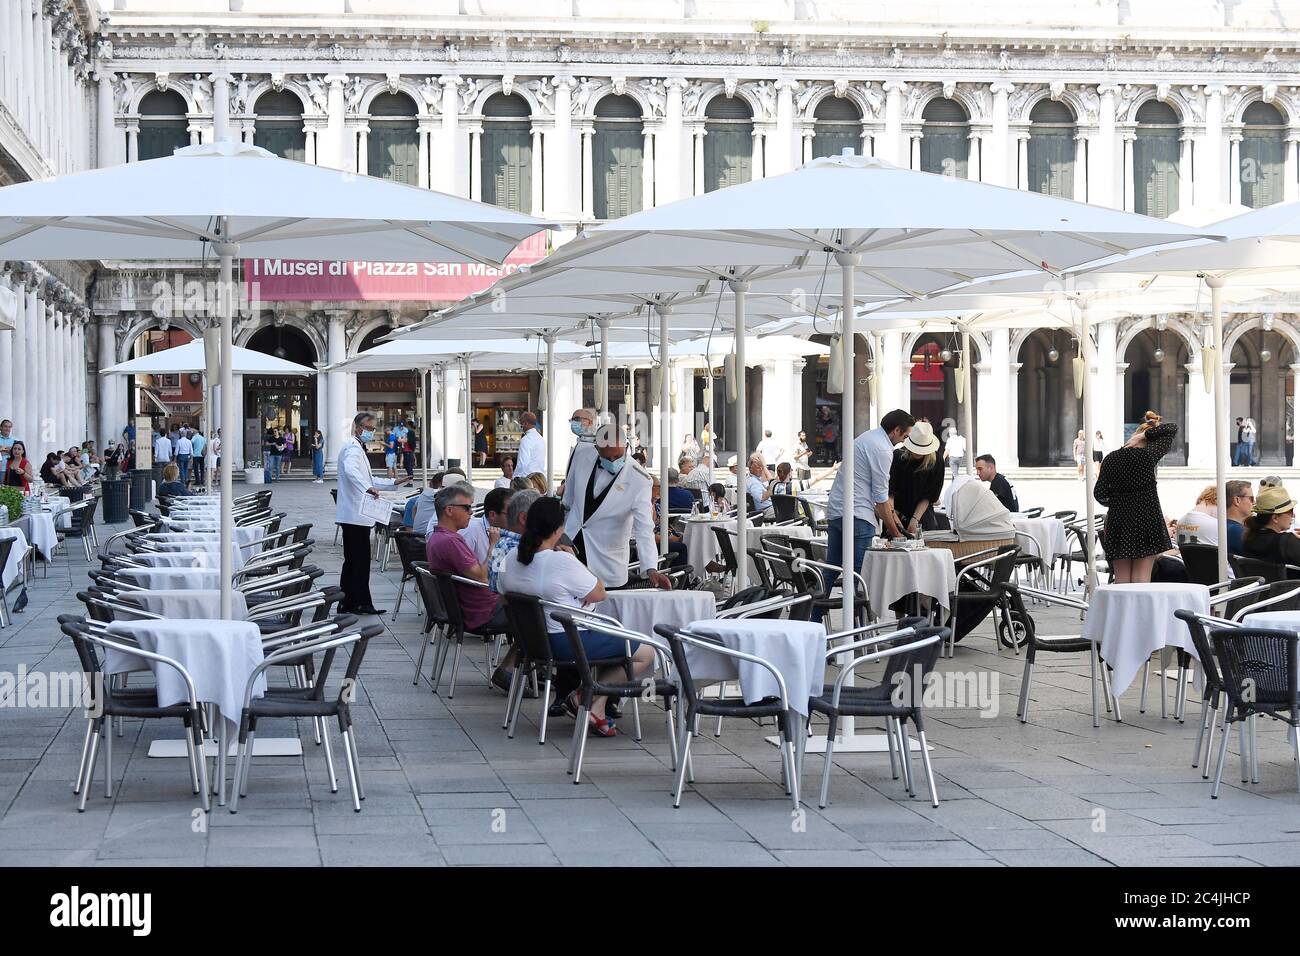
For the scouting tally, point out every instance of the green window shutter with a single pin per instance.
(507, 159)
(394, 152)
(728, 155)
(831, 139)
(617, 154)
(1051, 161)
(1155, 172)
(945, 149)
(158, 139)
(1263, 155)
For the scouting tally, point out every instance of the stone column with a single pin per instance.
(893, 150)
(757, 165)
(649, 169)
(1022, 158)
(221, 106)
(336, 151)
(450, 159)
(1108, 396)
(1104, 160)
(670, 167)
(112, 413)
(323, 413)
(1130, 135)
(1081, 191)
(108, 140)
(539, 192)
(1234, 168)
(1200, 408)
(698, 164)
(1186, 191)
(362, 140)
(38, 366)
(893, 387)
(132, 140)
(997, 395)
(1290, 178)
(1210, 160)
(587, 133)
(563, 177)
(975, 152)
(22, 361)
(997, 168)
(426, 132)
(476, 163)
(7, 355)
(780, 159)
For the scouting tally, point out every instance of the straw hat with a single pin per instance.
(1273, 501)
(921, 440)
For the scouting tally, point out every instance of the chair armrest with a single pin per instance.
(703, 640)
(876, 656)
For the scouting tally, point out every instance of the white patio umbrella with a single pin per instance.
(192, 357)
(235, 199)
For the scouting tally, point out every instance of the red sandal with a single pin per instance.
(602, 727)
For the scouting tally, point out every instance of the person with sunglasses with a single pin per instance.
(1240, 500)
(447, 550)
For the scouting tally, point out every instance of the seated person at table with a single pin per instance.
(916, 479)
(718, 497)
(987, 470)
(537, 568)
(18, 469)
(692, 475)
(418, 513)
(55, 471)
(784, 483)
(172, 486)
(676, 547)
(507, 473)
(492, 519)
(1268, 530)
(1201, 524)
(1240, 500)
(447, 551)
(679, 498)
(756, 483)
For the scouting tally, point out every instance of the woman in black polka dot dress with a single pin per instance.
(1135, 530)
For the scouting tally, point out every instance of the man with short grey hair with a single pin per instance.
(692, 475)
(446, 550)
(679, 498)
(355, 482)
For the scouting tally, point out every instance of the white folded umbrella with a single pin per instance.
(192, 357)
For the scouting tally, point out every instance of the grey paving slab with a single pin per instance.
(444, 785)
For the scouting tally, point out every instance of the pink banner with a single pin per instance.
(298, 280)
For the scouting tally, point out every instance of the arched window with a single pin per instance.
(1155, 160)
(837, 126)
(1156, 379)
(1048, 415)
(279, 125)
(164, 127)
(618, 158)
(1263, 154)
(945, 138)
(394, 150)
(507, 153)
(728, 143)
(1051, 149)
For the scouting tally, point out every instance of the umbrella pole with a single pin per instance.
(602, 400)
(967, 412)
(469, 424)
(665, 419)
(426, 378)
(1089, 466)
(549, 411)
(1220, 421)
(739, 288)
(227, 251)
(446, 416)
(847, 263)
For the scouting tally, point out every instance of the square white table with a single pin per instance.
(1132, 621)
(642, 608)
(892, 575)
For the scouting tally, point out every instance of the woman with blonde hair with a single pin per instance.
(916, 479)
(1135, 531)
(538, 481)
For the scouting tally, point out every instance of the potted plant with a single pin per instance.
(12, 498)
(254, 473)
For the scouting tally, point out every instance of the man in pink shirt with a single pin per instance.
(447, 550)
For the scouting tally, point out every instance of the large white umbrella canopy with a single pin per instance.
(192, 357)
(231, 199)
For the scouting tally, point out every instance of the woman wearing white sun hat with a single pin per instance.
(916, 479)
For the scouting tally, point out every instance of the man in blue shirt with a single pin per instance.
(679, 498)
(1240, 500)
(873, 454)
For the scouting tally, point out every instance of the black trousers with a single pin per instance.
(354, 579)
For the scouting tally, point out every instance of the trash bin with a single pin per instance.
(157, 473)
(141, 491)
(117, 499)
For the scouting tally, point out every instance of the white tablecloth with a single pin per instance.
(702, 544)
(56, 505)
(640, 610)
(13, 568)
(158, 579)
(796, 648)
(207, 544)
(245, 537)
(184, 605)
(39, 528)
(1133, 621)
(1276, 620)
(220, 656)
(893, 575)
(1048, 534)
(176, 559)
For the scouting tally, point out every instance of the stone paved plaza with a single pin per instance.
(445, 786)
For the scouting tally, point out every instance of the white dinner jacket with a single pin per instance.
(623, 515)
(531, 456)
(355, 480)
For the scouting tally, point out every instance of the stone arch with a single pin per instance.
(1069, 97)
(631, 91)
(1130, 329)
(1283, 326)
(853, 94)
(404, 86)
(357, 336)
(1173, 100)
(146, 322)
(719, 89)
(488, 90)
(966, 98)
(174, 85)
(263, 85)
(978, 345)
(300, 323)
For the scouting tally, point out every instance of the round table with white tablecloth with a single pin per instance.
(702, 544)
(892, 575)
(1274, 620)
(1048, 535)
(39, 528)
(176, 559)
(797, 649)
(57, 505)
(182, 604)
(155, 579)
(13, 568)
(640, 609)
(1133, 621)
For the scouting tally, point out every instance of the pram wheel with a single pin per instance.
(1013, 633)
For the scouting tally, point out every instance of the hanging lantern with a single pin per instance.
(1053, 355)
(1265, 355)
(835, 368)
(945, 356)
(1158, 355)
(438, 400)
(460, 402)
(672, 394)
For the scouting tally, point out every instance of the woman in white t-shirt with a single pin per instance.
(536, 568)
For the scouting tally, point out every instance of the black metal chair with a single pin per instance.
(1270, 572)
(1259, 679)
(455, 629)
(696, 706)
(309, 702)
(108, 702)
(785, 508)
(81, 524)
(1013, 608)
(726, 549)
(911, 654)
(410, 549)
(1212, 689)
(1201, 562)
(591, 687)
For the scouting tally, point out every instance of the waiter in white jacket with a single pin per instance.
(355, 481)
(607, 495)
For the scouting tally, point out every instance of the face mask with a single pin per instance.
(368, 434)
(613, 467)
(577, 427)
